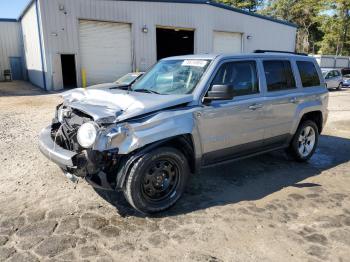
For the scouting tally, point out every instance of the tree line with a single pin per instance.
(323, 25)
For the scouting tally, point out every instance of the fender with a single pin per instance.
(304, 108)
(133, 135)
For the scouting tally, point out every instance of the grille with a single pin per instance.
(65, 133)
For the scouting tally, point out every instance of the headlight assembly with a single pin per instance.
(60, 115)
(87, 134)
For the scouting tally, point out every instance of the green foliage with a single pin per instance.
(305, 14)
(337, 29)
(251, 5)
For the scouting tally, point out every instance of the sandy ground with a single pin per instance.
(262, 209)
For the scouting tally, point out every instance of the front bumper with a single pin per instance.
(55, 153)
(69, 162)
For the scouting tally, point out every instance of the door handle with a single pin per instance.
(293, 100)
(254, 107)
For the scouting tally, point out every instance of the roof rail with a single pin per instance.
(258, 51)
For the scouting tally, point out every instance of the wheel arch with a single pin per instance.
(315, 110)
(315, 116)
(184, 143)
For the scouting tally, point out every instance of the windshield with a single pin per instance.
(172, 77)
(127, 79)
(324, 73)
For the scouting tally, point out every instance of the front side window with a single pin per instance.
(308, 74)
(330, 75)
(241, 76)
(172, 77)
(279, 75)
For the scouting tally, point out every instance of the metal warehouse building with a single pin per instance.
(108, 38)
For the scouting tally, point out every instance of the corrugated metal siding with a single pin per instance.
(332, 61)
(32, 52)
(341, 62)
(61, 28)
(10, 44)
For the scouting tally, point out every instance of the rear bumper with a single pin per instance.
(55, 153)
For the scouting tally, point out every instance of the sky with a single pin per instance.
(12, 8)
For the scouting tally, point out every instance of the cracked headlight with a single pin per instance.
(87, 134)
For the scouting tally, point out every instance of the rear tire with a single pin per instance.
(157, 180)
(304, 142)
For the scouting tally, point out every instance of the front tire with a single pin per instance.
(305, 141)
(340, 86)
(157, 180)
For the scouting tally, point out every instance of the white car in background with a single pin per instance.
(333, 78)
(124, 82)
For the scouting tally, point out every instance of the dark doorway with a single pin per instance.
(69, 73)
(173, 42)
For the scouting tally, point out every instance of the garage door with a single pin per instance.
(105, 50)
(226, 42)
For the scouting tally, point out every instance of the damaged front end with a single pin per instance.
(96, 133)
(60, 143)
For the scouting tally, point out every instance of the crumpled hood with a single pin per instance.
(104, 103)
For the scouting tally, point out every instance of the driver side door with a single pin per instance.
(233, 128)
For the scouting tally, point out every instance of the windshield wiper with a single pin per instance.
(123, 87)
(144, 90)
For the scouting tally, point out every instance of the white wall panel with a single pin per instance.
(32, 51)
(10, 44)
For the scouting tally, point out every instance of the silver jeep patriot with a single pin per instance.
(186, 113)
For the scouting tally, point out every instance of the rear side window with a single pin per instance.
(242, 76)
(279, 75)
(308, 74)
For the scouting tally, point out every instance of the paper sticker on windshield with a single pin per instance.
(199, 63)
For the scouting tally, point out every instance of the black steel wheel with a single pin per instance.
(160, 180)
(157, 180)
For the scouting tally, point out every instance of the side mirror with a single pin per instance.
(220, 92)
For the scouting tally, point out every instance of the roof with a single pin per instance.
(8, 20)
(204, 2)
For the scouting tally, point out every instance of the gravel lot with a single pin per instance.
(262, 209)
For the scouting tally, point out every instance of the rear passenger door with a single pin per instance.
(281, 100)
